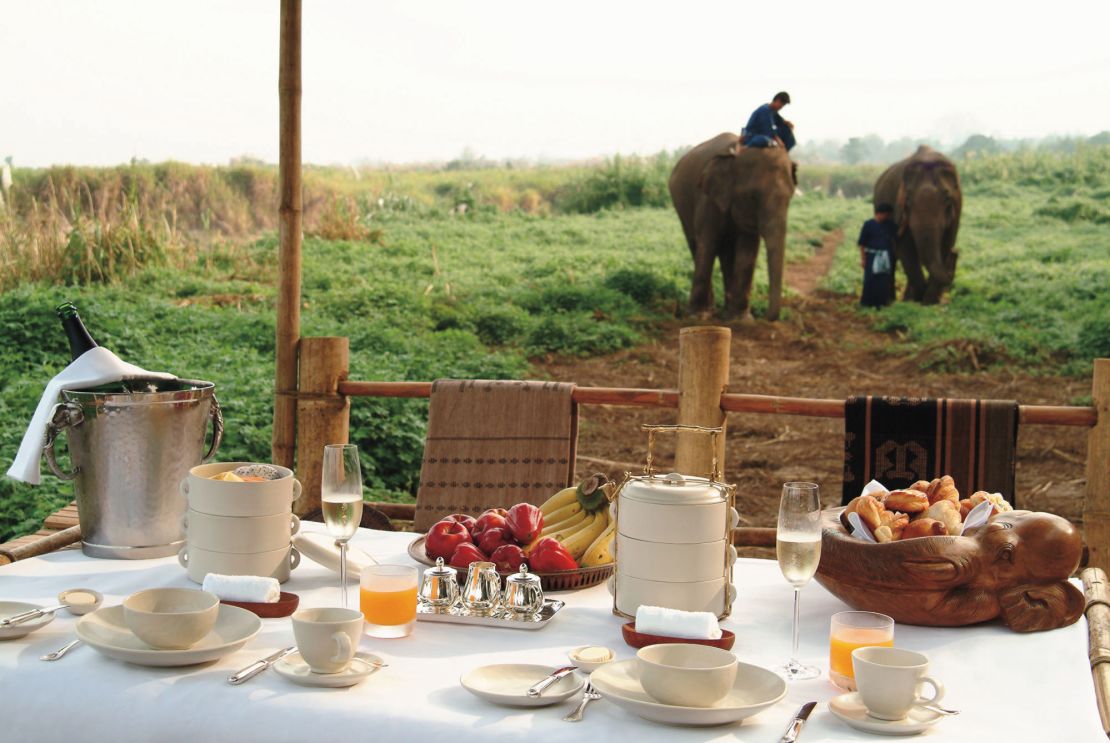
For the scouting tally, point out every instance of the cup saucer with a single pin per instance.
(294, 668)
(850, 708)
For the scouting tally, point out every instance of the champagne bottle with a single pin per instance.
(79, 338)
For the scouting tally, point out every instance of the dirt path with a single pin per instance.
(825, 350)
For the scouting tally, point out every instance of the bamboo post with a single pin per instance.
(1098, 629)
(702, 377)
(45, 545)
(323, 415)
(289, 251)
(1096, 508)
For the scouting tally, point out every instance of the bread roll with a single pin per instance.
(947, 513)
(922, 485)
(943, 488)
(907, 501)
(870, 510)
(924, 528)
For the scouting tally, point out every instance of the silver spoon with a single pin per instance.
(939, 710)
(61, 651)
(69, 601)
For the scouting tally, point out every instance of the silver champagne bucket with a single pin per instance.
(129, 452)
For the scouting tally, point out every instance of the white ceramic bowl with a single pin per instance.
(587, 666)
(171, 618)
(686, 675)
(272, 563)
(239, 534)
(221, 498)
(675, 523)
(674, 562)
(706, 595)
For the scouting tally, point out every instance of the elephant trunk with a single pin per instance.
(927, 222)
(775, 238)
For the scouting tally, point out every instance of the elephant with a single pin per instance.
(1014, 567)
(924, 190)
(727, 198)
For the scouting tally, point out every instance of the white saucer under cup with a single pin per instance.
(294, 668)
(850, 709)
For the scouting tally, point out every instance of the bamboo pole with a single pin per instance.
(289, 251)
(48, 543)
(1096, 507)
(323, 415)
(1098, 632)
(702, 377)
(1045, 415)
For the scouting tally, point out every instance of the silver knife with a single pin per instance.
(259, 666)
(539, 688)
(795, 726)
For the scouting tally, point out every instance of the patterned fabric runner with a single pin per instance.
(494, 443)
(899, 440)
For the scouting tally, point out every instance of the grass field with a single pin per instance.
(577, 262)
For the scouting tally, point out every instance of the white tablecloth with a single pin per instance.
(1010, 687)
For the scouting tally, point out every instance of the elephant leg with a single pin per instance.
(746, 251)
(707, 241)
(915, 276)
(727, 255)
(774, 237)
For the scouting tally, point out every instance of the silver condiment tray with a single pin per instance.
(496, 618)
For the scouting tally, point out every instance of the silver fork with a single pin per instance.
(61, 651)
(589, 695)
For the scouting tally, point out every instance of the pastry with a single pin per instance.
(884, 534)
(947, 513)
(870, 510)
(924, 528)
(907, 501)
(943, 488)
(922, 485)
(1000, 504)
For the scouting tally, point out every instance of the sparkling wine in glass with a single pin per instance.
(798, 546)
(341, 501)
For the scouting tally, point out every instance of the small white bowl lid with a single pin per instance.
(673, 489)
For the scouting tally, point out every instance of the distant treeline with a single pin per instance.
(873, 149)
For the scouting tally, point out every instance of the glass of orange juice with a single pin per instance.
(851, 630)
(387, 598)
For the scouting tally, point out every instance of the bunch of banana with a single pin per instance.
(579, 518)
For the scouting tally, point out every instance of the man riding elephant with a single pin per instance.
(767, 128)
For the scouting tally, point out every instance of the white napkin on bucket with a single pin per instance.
(255, 588)
(94, 367)
(692, 625)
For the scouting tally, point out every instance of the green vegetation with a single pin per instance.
(167, 266)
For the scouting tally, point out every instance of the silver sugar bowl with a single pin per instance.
(439, 587)
(483, 588)
(523, 593)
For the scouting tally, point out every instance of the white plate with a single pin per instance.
(849, 708)
(320, 548)
(508, 684)
(294, 668)
(755, 689)
(107, 632)
(11, 608)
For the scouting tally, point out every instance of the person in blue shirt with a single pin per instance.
(876, 253)
(767, 128)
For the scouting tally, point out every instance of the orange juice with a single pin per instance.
(388, 607)
(847, 639)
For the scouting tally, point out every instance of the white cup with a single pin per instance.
(889, 679)
(327, 639)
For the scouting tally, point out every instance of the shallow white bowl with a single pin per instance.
(508, 684)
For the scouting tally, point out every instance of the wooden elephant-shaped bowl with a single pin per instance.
(1016, 567)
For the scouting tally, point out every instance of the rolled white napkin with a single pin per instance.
(692, 625)
(253, 588)
(95, 367)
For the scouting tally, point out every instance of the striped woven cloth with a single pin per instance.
(492, 444)
(899, 440)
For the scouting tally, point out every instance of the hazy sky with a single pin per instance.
(101, 82)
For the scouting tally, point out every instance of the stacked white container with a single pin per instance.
(673, 543)
(239, 528)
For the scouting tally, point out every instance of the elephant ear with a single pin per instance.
(1039, 607)
(716, 181)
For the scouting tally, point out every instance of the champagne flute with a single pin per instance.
(341, 501)
(798, 546)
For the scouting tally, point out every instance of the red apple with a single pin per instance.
(465, 554)
(462, 518)
(507, 558)
(444, 537)
(493, 538)
(525, 521)
(494, 518)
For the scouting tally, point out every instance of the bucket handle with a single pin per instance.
(216, 414)
(65, 415)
